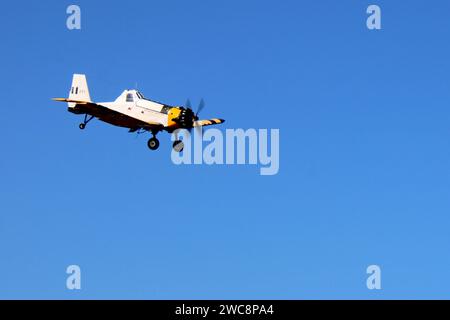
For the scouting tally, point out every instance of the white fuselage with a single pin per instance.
(133, 105)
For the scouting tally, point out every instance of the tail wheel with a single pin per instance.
(178, 145)
(153, 143)
(82, 126)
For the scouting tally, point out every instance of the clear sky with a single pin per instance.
(364, 151)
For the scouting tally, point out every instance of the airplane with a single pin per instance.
(133, 111)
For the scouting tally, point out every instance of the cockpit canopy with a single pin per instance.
(134, 97)
(140, 95)
(130, 96)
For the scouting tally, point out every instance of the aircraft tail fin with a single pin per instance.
(79, 90)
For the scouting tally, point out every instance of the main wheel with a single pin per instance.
(82, 126)
(153, 143)
(178, 145)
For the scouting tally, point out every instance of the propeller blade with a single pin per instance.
(188, 104)
(201, 105)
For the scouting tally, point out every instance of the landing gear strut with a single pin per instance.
(85, 122)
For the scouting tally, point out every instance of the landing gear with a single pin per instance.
(85, 122)
(153, 143)
(178, 145)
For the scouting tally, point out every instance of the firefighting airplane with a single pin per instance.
(131, 110)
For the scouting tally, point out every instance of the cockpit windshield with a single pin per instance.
(140, 95)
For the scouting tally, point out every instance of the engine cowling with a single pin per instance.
(180, 117)
(186, 118)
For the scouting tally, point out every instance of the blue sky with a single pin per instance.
(364, 151)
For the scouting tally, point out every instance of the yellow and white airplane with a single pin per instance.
(131, 110)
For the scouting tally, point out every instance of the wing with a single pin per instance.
(204, 123)
(110, 116)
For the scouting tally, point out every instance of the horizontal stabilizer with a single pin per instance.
(71, 100)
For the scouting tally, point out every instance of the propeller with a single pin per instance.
(200, 107)
(188, 117)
